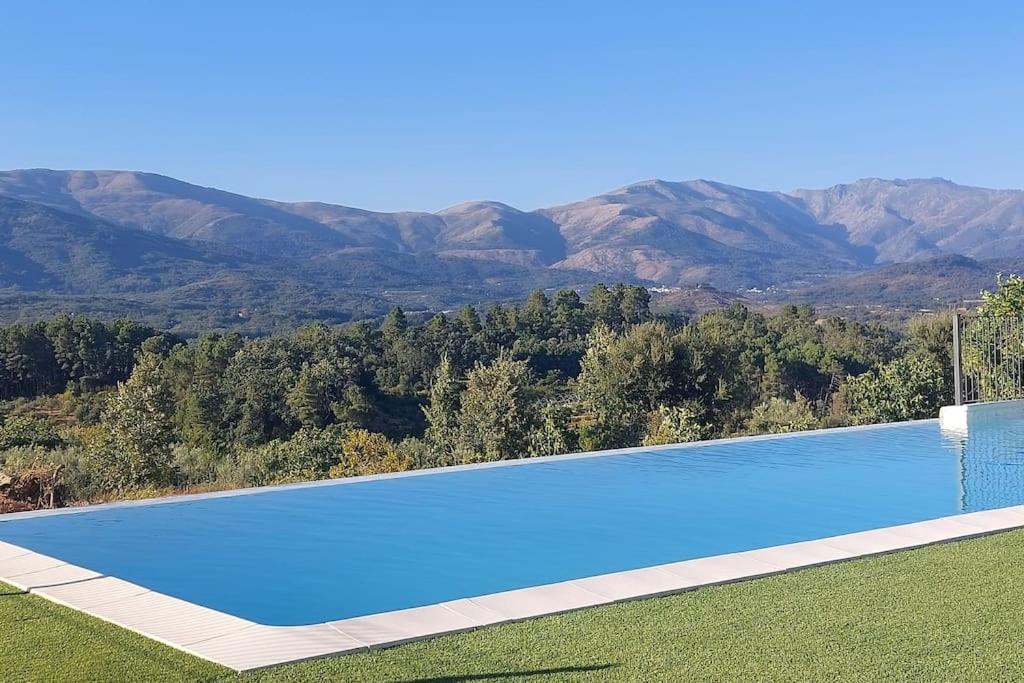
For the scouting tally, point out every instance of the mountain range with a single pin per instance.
(143, 238)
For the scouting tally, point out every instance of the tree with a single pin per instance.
(933, 336)
(1007, 300)
(603, 306)
(622, 377)
(498, 329)
(536, 314)
(469, 319)
(569, 315)
(395, 324)
(257, 381)
(497, 411)
(135, 447)
(442, 414)
(402, 369)
(196, 373)
(28, 366)
(85, 351)
(722, 364)
(635, 304)
(441, 337)
(553, 433)
(127, 338)
(908, 388)
(326, 391)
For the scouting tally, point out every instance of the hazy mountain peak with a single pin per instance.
(478, 205)
(921, 217)
(501, 232)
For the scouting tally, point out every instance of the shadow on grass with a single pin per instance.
(498, 675)
(12, 594)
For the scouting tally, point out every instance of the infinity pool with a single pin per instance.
(304, 555)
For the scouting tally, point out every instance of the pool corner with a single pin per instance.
(960, 418)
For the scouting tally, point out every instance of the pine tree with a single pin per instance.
(442, 413)
(395, 324)
(470, 320)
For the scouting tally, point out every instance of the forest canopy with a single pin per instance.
(114, 409)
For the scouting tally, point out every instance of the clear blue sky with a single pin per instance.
(418, 105)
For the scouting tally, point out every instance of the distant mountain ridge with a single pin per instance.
(943, 281)
(672, 233)
(907, 220)
(700, 232)
(56, 260)
(131, 241)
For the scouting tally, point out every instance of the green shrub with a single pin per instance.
(779, 415)
(908, 388)
(193, 465)
(678, 424)
(25, 430)
(364, 452)
(553, 434)
(307, 455)
(420, 453)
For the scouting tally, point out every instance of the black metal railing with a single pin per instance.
(988, 357)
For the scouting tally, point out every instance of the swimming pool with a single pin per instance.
(306, 555)
(263, 576)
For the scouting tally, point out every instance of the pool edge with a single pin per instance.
(319, 483)
(243, 645)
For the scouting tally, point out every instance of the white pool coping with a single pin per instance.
(961, 418)
(245, 645)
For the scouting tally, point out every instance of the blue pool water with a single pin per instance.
(308, 555)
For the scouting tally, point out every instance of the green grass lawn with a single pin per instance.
(948, 612)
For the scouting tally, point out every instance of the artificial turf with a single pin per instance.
(947, 612)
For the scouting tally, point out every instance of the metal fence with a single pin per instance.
(988, 357)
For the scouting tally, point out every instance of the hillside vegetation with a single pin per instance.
(124, 409)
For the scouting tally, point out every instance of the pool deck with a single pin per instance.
(244, 645)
